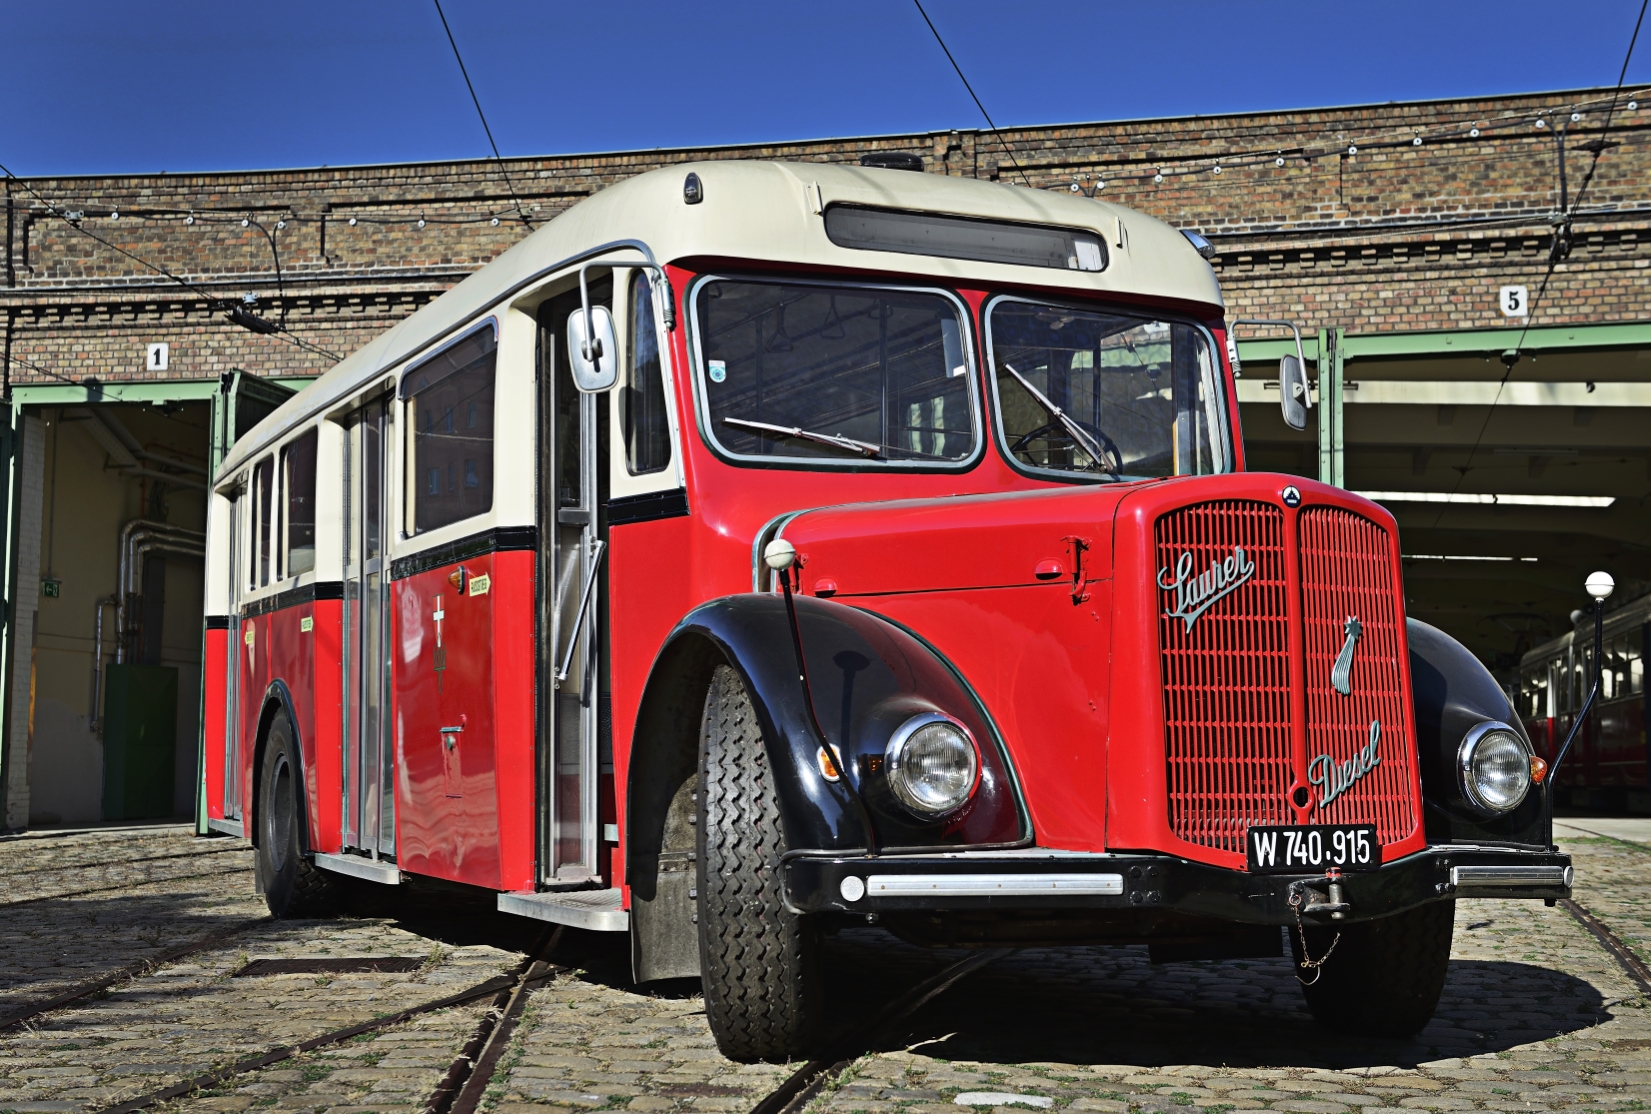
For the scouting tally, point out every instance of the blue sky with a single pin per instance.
(172, 85)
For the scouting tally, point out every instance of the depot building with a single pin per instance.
(1478, 337)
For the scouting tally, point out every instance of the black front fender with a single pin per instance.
(868, 676)
(1453, 692)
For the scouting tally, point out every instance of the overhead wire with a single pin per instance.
(1557, 251)
(1005, 143)
(503, 173)
(212, 300)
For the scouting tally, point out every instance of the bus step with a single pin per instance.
(357, 867)
(597, 910)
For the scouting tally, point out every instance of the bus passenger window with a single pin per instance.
(298, 490)
(449, 401)
(263, 479)
(647, 430)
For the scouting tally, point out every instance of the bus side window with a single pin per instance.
(1636, 662)
(449, 407)
(298, 515)
(263, 480)
(647, 428)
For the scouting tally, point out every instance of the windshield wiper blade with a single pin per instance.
(1070, 424)
(849, 443)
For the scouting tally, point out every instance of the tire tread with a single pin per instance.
(758, 960)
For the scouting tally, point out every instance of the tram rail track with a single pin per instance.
(58, 896)
(1618, 949)
(111, 863)
(817, 1074)
(465, 1084)
(131, 971)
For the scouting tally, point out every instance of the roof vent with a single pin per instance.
(893, 160)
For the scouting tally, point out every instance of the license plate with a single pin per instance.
(1300, 849)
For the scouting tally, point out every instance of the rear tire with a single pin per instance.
(1385, 976)
(760, 963)
(293, 885)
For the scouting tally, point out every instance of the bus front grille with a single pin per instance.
(1233, 751)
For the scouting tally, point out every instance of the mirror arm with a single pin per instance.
(1295, 330)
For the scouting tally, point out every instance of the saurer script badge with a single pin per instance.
(1341, 673)
(1195, 594)
(1335, 778)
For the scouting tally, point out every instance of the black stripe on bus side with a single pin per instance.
(219, 622)
(647, 508)
(292, 597)
(497, 540)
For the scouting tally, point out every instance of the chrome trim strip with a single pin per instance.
(985, 885)
(1505, 877)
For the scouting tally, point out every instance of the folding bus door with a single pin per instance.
(572, 489)
(369, 758)
(232, 668)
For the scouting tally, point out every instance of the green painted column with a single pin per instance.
(1332, 443)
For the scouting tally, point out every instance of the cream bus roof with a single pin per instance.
(768, 211)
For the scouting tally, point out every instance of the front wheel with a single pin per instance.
(293, 885)
(760, 963)
(1384, 977)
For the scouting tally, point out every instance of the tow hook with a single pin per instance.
(1318, 898)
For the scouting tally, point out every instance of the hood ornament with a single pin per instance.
(1335, 778)
(1195, 594)
(1341, 673)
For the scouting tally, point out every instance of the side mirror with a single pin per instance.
(593, 353)
(1293, 396)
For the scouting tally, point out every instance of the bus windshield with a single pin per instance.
(835, 374)
(1105, 394)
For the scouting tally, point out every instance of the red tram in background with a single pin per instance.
(759, 548)
(1610, 765)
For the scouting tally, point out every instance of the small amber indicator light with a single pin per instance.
(1539, 769)
(828, 768)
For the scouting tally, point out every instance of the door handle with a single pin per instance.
(449, 736)
(598, 549)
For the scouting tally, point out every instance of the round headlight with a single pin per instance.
(932, 764)
(1494, 767)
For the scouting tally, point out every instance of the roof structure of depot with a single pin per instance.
(1422, 248)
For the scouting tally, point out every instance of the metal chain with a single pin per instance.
(1307, 962)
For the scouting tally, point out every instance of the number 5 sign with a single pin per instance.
(1515, 301)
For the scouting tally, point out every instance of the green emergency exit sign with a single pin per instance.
(51, 588)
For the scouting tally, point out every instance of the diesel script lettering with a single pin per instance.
(1335, 778)
(1195, 594)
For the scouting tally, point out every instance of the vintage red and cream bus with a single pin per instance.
(761, 548)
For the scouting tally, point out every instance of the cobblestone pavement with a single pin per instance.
(1536, 1017)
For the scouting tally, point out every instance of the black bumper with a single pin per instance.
(1031, 881)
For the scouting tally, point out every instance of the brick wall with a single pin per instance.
(1327, 216)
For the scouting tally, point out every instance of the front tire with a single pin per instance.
(1385, 976)
(760, 963)
(293, 885)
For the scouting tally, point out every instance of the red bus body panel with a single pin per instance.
(215, 704)
(464, 800)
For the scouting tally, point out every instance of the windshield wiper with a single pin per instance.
(832, 439)
(1073, 429)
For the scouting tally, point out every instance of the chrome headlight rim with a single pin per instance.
(895, 751)
(1464, 767)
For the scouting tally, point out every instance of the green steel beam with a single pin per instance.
(171, 390)
(1328, 412)
(1457, 342)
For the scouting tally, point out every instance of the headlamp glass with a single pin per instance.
(1494, 767)
(932, 764)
